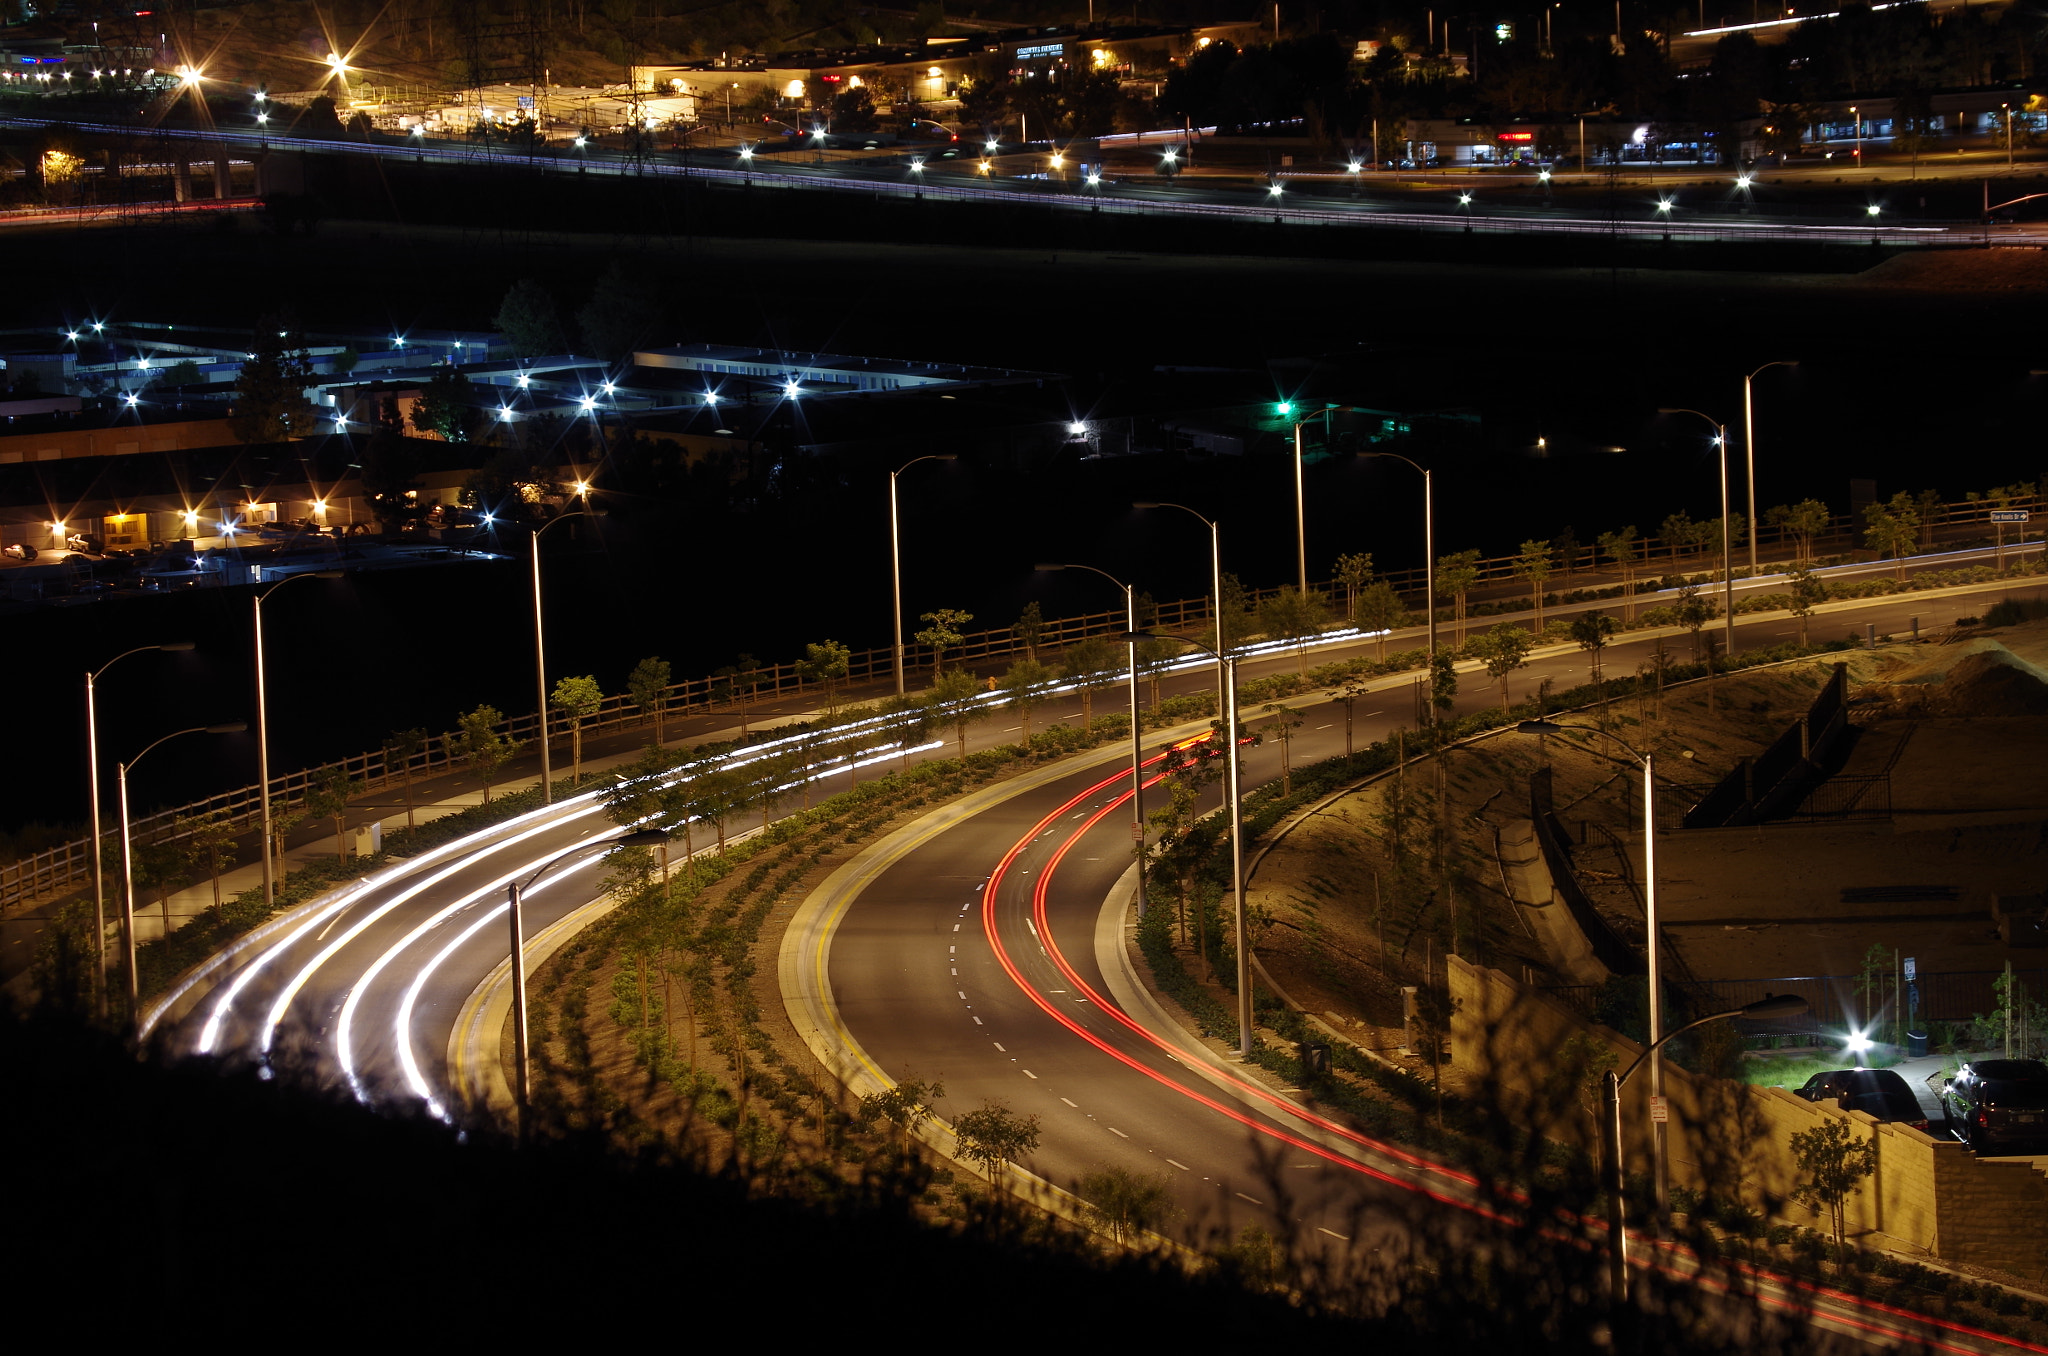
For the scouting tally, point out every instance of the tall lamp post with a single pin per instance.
(540, 655)
(92, 782)
(1244, 964)
(1428, 539)
(128, 862)
(1137, 736)
(896, 559)
(1651, 947)
(1749, 447)
(1767, 1008)
(514, 890)
(1215, 586)
(263, 732)
(1727, 532)
(1286, 411)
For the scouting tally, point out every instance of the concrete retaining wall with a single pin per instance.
(1928, 1195)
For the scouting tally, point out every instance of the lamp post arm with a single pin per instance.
(1622, 1081)
(94, 676)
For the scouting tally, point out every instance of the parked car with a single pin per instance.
(1877, 1092)
(1997, 1103)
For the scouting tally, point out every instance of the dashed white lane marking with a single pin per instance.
(1071, 1103)
(1325, 727)
(1182, 1166)
(1033, 926)
(951, 950)
(956, 927)
(1030, 1075)
(979, 1022)
(1114, 1131)
(956, 969)
(1341, 1238)
(999, 1045)
(962, 993)
(1241, 1196)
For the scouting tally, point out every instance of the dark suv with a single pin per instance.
(1996, 1103)
(1877, 1092)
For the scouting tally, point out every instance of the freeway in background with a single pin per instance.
(926, 173)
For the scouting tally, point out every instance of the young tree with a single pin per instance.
(1893, 527)
(718, 796)
(270, 394)
(1566, 544)
(479, 742)
(1380, 610)
(1443, 687)
(1808, 591)
(953, 698)
(1930, 505)
(905, 1106)
(1124, 1202)
(400, 748)
(1088, 665)
(578, 698)
(734, 683)
(1293, 615)
(825, 663)
(1028, 627)
(1620, 547)
(648, 685)
(1693, 613)
(212, 838)
(1805, 520)
(942, 633)
(529, 319)
(1504, 649)
(1286, 720)
(1186, 772)
(1533, 564)
(327, 798)
(1833, 1161)
(1354, 572)
(1455, 576)
(1355, 690)
(995, 1136)
(1234, 619)
(1591, 630)
(1677, 530)
(1028, 684)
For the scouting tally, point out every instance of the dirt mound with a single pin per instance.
(2003, 270)
(1994, 682)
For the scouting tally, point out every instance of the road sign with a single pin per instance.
(1660, 1110)
(2008, 515)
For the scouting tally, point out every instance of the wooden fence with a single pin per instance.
(70, 865)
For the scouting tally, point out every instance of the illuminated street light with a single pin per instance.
(1077, 428)
(1543, 175)
(917, 167)
(1872, 209)
(1094, 180)
(746, 152)
(590, 402)
(711, 397)
(1357, 167)
(97, 327)
(1664, 204)
(524, 381)
(1058, 161)
(1464, 200)
(583, 489)
(72, 335)
(791, 390)
(1742, 181)
(262, 118)
(1275, 189)
(608, 388)
(132, 399)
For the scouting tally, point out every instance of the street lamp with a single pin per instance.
(513, 890)
(1215, 583)
(1767, 1008)
(1137, 737)
(1228, 663)
(263, 731)
(92, 781)
(1749, 447)
(1286, 408)
(1651, 949)
(896, 557)
(540, 657)
(1428, 540)
(128, 861)
(1727, 533)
